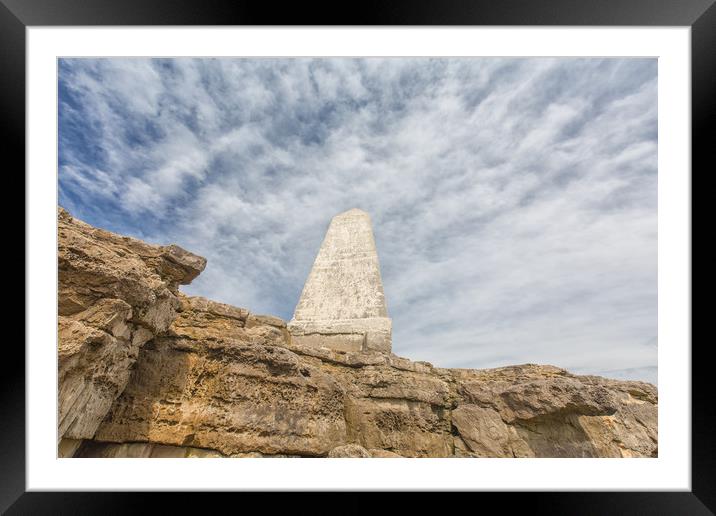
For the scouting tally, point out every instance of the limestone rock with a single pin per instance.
(384, 454)
(115, 293)
(270, 320)
(349, 451)
(544, 411)
(214, 383)
(482, 432)
(146, 371)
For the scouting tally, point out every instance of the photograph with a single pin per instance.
(358, 257)
(415, 248)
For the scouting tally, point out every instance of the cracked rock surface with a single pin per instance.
(115, 294)
(145, 371)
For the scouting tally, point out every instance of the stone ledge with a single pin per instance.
(334, 326)
(369, 334)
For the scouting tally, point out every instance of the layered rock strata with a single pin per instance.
(146, 371)
(115, 294)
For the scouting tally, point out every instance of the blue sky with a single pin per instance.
(514, 201)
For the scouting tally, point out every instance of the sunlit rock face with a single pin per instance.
(115, 294)
(145, 371)
(342, 305)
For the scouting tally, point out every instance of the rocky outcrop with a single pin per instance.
(543, 411)
(115, 294)
(220, 379)
(146, 371)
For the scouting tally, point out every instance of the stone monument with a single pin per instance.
(342, 305)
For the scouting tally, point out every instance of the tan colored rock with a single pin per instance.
(115, 293)
(99, 449)
(222, 386)
(265, 320)
(481, 431)
(68, 447)
(406, 427)
(168, 375)
(349, 451)
(544, 411)
(203, 305)
(384, 454)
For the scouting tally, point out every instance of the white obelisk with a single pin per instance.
(342, 305)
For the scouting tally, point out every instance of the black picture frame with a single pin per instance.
(700, 15)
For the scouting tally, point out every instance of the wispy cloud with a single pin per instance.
(513, 200)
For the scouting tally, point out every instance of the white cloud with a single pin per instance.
(513, 200)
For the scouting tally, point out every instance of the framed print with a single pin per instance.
(455, 238)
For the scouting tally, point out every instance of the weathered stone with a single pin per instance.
(349, 451)
(482, 430)
(351, 359)
(342, 305)
(201, 304)
(100, 449)
(115, 293)
(169, 375)
(68, 447)
(546, 412)
(384, 454)
(233, 390)
(261, 320)
(407, 427)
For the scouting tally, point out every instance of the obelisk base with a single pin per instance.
(367, 334)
